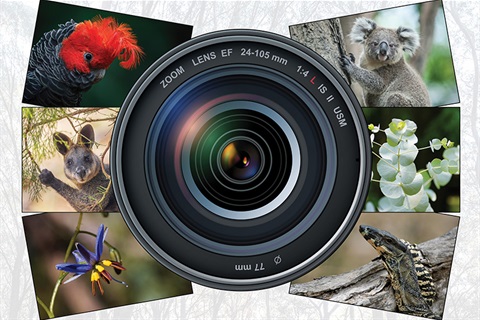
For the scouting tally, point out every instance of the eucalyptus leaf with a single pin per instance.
(407, 173)
(407, 141)
(402, 127)
(415, 186)
(411, 128)
(442, 179)
(387, 170)
(408, 155)
(431, 194)
(397, 202)
(435, 144)
(392, 138)
(447, 143)
(427, 179)
(424, 204)
(391, 189)
(397, 126)
(453, 167)
(389, 152)
(452, 153)
(435, 167)
(412, 201)
(384, 205)
(439, 179)
(387, 205)
(444, 165)
(369, 207)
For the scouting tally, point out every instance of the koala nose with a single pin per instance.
(383, 48)
(81, 172)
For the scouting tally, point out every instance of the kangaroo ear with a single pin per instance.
(86, 136)
(62, 142)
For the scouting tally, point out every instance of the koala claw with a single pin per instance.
(46, 177)
(345, 62)
(351, 57)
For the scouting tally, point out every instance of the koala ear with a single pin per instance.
(62, 142)
(409, 38)
(361, 30)
(86, 136)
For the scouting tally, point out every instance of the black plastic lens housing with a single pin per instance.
(240, 160)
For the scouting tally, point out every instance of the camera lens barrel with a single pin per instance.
(240, 160)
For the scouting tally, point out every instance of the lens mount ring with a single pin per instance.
(151, 157)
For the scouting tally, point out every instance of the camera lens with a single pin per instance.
(240, 160)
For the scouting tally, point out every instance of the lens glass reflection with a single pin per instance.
(240, 160)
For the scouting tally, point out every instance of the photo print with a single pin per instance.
(65, 157)
(89, 57)
(397, 262)
(397, 57)
(81, 262)
(415, 159)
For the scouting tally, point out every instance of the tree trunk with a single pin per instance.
(325, 38)
(369, 285)
(428, 12)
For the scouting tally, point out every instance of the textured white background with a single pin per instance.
(17, 300)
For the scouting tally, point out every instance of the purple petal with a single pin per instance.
(101, 234)
(86, 254)
(79, 258)
(74, 268)
(73, 278)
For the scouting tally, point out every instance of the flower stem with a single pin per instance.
(55, 291)
(44, 306)
(74, 237)
(375, 154)
(424, 148)
(63, 274)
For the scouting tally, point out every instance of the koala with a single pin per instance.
(384, 75)
(83, 168)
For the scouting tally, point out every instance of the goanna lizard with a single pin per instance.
(411, 280)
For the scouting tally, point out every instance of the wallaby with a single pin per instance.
(84, 169)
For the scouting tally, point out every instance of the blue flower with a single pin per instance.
(89, 261)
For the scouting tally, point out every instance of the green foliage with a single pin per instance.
(37, 125)
(439, 76)
(404, 188)
(439, 67)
